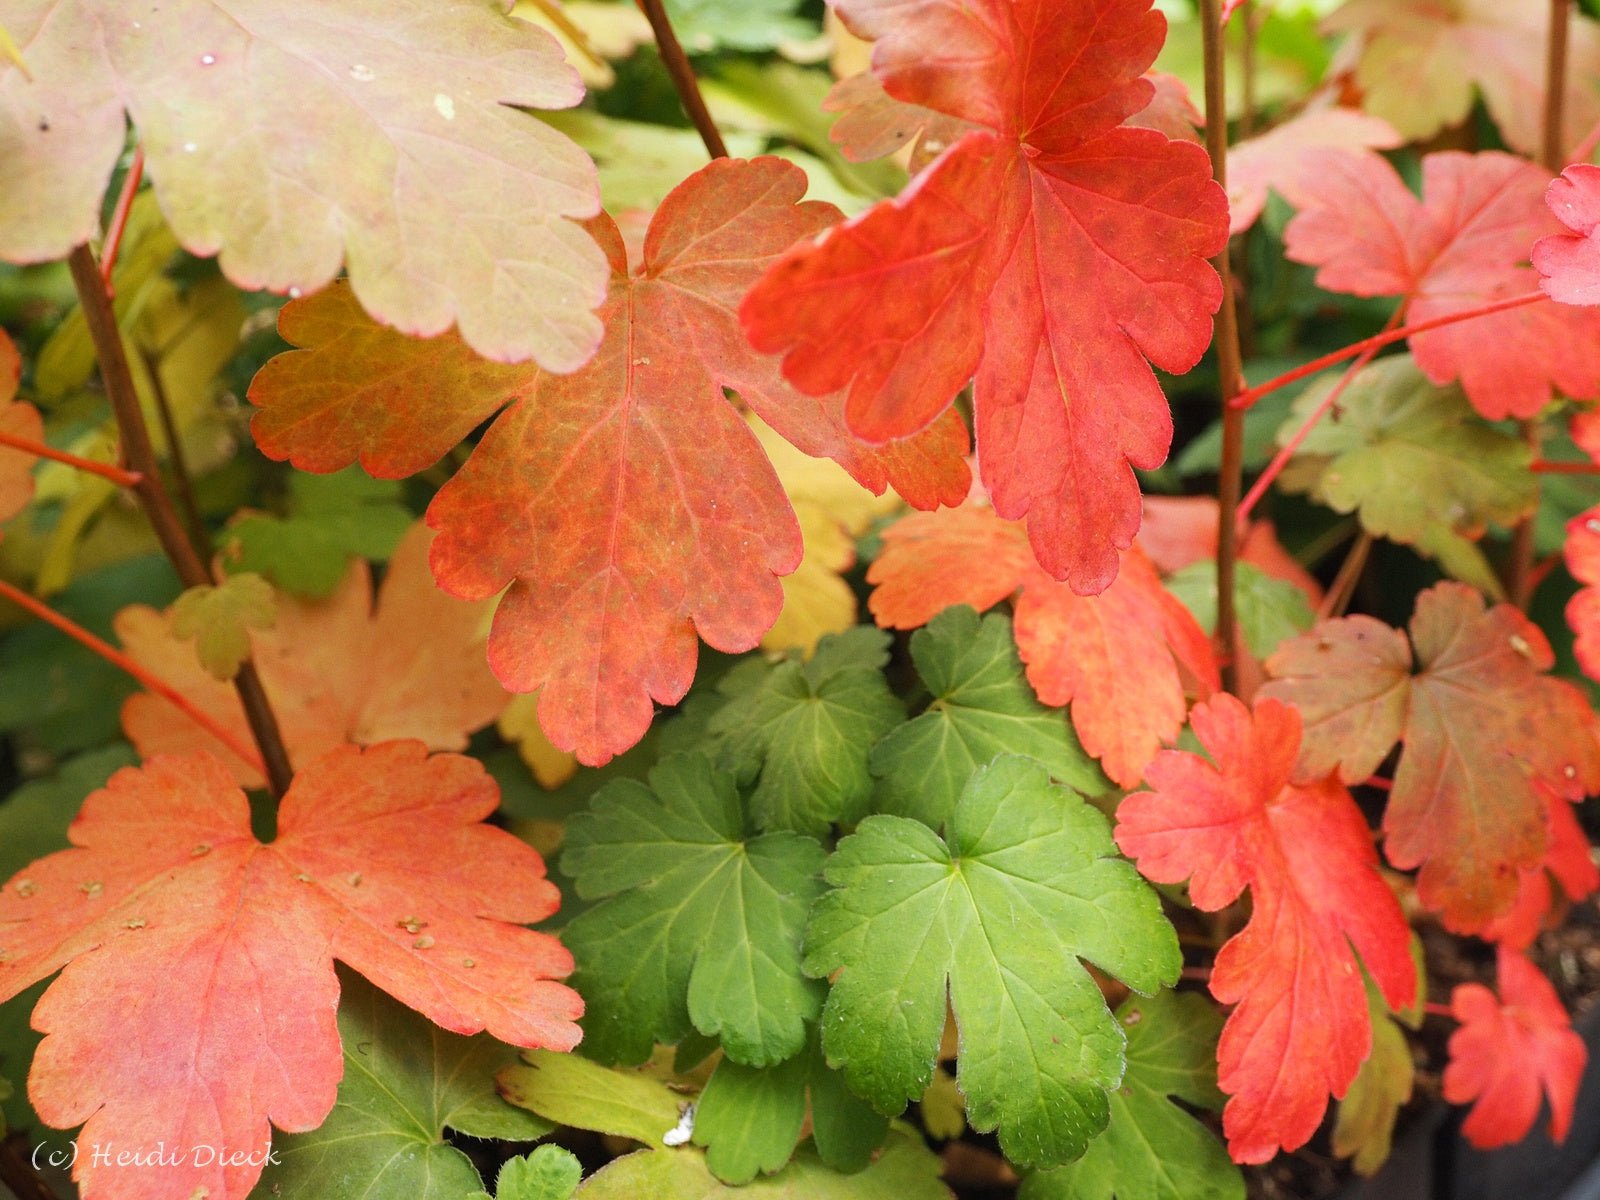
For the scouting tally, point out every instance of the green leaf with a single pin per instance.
(1416, 463)
(1027, 883)
(1203, 455)
(1152, 1149)
(807, 728)
(982, 706)
(640, 162)
(906, 1170)
(220, 620)
(944, 1109)
(1365, 1127)
(405, 1081)
(1269, 610)
(33, 823)
(332, 519)
(699, 923)
(548, 1173)
(749, 1118)
(569, 1090)
(706, 25)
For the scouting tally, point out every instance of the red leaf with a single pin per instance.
(1287, 159)
(19, 420)
(1507, 1051)
(335, 670)
(1582, 552)
(1567, 862)
(627, 505)
(1569, 263)
(1464, 244)
(198, 994)
(1179, 530)
(1050, 251)
(1118, 658)
(1484, 730)
(1301, 1029)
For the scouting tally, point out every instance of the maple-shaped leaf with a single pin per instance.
(1286, 158)
(1416, 463)
(1568, 264)
(382, 136)
(209, 956)
(1364, 1131)
(406, 1081)
(803, 731)
(19, 420)
(1568, 862)
(335, 670)
(1300, 1031)
(1119, 658)
(980, 706)
(996, 915)
(1484, 729)
(1464, 244)
(1051, 251)
(1152, 1149)
(1421, 63)
(749, 1118)
(219, 620)
(1511, 1053)
(546, 1173)
(699, 922)
(628, 505)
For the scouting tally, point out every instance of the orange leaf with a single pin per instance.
(1484, 730)
(628, 505)
(19, 420)
(1118, 658)
(1051, 251)
(1510, 1049)
(335, 670)
(1301, 1029)
(1465, 243)
(198, 995)
(1567, 862)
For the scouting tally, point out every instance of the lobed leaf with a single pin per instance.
(999, 913)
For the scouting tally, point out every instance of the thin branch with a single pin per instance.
(119, 217)
(1343, 590)
(677, 64)
(1250, 395)
(1230, 367)
(180, 468)
(122, 662)
(109, 471)
(140, 456)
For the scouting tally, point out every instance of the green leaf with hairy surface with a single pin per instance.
(331, 519)
(405, 1082)
(906, 1170)
(699, 922)
(749, 1118)
(982, 706)
(1269, 610)
(547, 1173)
(1416, 463)
(220, 619)
(569, 1090)
(1153, 1149)
(1026, 884)
(804, 731)
(33, 823)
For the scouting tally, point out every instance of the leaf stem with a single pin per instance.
(1434, 1009)
(121, 661)
(198, 535)
(119, 217)
(141, 457)
(1249, 396)
(1288, 449)
(1343, 590)
(1545, 466)
(1230, 367)
(677, 64)
(109, 471)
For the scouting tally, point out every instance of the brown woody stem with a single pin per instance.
(139, 455)
(122, 662)
(1230, 367)
(109, 471)
(677, 64)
